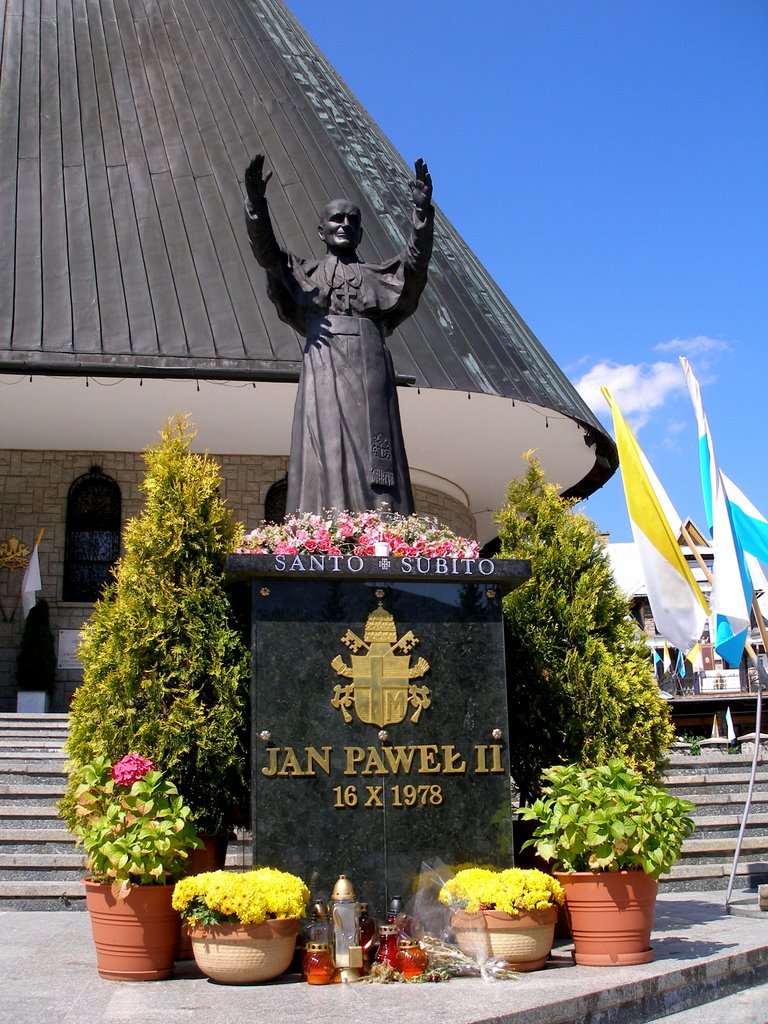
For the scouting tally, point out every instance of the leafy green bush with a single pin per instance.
(135, 832)
(579, 680)
(164, 670)
(607, 818)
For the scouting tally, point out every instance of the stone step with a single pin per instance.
(729, 824)
(34, 734)
(698, 781)
(29, 720)
(24, 747)
(32, 775)
(21, 758)
(36, 840)
(25, 816)
(704, 774)
(12, 794)
(64, 894)
(703, 846)
(692, 877)
(713, 804)
(31, 867)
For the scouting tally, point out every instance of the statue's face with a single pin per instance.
(341, 227)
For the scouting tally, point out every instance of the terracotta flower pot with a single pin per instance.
(522, 943)
(243, 954)
(135, 938)
(611, 916)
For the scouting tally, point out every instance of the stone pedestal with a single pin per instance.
(379, 717)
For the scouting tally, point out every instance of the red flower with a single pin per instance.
(131, 768)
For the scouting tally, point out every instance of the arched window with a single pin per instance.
(274, 503)
(93, 535)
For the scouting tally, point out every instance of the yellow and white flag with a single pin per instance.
(678, 605)
(694, 657)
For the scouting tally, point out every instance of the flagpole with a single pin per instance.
(758, 711)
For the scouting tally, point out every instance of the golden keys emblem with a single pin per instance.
(381, 690)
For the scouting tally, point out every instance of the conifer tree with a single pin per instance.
(579, 680)
(36, 660)
(164, 670)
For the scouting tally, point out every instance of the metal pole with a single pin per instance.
(753, 773)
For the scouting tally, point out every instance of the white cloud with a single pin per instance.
(691, 347)
(642, 388)
(638, 388)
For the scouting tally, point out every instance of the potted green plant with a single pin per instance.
(137, 833)
(36, 661)
(506, 915)
(608, 834)
(165, 669)
(243, 925)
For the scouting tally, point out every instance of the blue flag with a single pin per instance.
(680, 666)
(750, 526)
(731, 596)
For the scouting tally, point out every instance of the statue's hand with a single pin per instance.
(255, 181)
(421, 188)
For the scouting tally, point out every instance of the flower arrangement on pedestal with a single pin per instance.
(243, 925)
(356, 533)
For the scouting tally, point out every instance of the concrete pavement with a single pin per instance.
(702, 954)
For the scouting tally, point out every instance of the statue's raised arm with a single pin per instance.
(255, 182)
(421, 189)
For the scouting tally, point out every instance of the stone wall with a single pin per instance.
(33, 495)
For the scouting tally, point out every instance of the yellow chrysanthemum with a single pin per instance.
(248, 897)
(513, 890)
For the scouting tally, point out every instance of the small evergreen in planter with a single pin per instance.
(164, 670)
(607, 818)
(579, 673)
(36, 660)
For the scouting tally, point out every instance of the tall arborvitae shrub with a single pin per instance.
(164, 670)
(36, 659)
(579, 679)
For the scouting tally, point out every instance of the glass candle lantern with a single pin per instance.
(412, 961)
(387, 951)
(317, 963)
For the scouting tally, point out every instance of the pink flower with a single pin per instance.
(285, 548)
(131, 768)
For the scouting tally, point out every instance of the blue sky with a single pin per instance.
(607, 160)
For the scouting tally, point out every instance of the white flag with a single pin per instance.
(731, 732)
(31, 582)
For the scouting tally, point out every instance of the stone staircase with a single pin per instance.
(40, 866)
(716, 782)
(41, 869)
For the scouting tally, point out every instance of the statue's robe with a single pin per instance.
(347, 449)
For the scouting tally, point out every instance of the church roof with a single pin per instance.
(127, 126)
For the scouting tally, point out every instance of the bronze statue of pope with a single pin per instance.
(347, 449)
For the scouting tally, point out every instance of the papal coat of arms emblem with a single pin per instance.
(381, 690)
